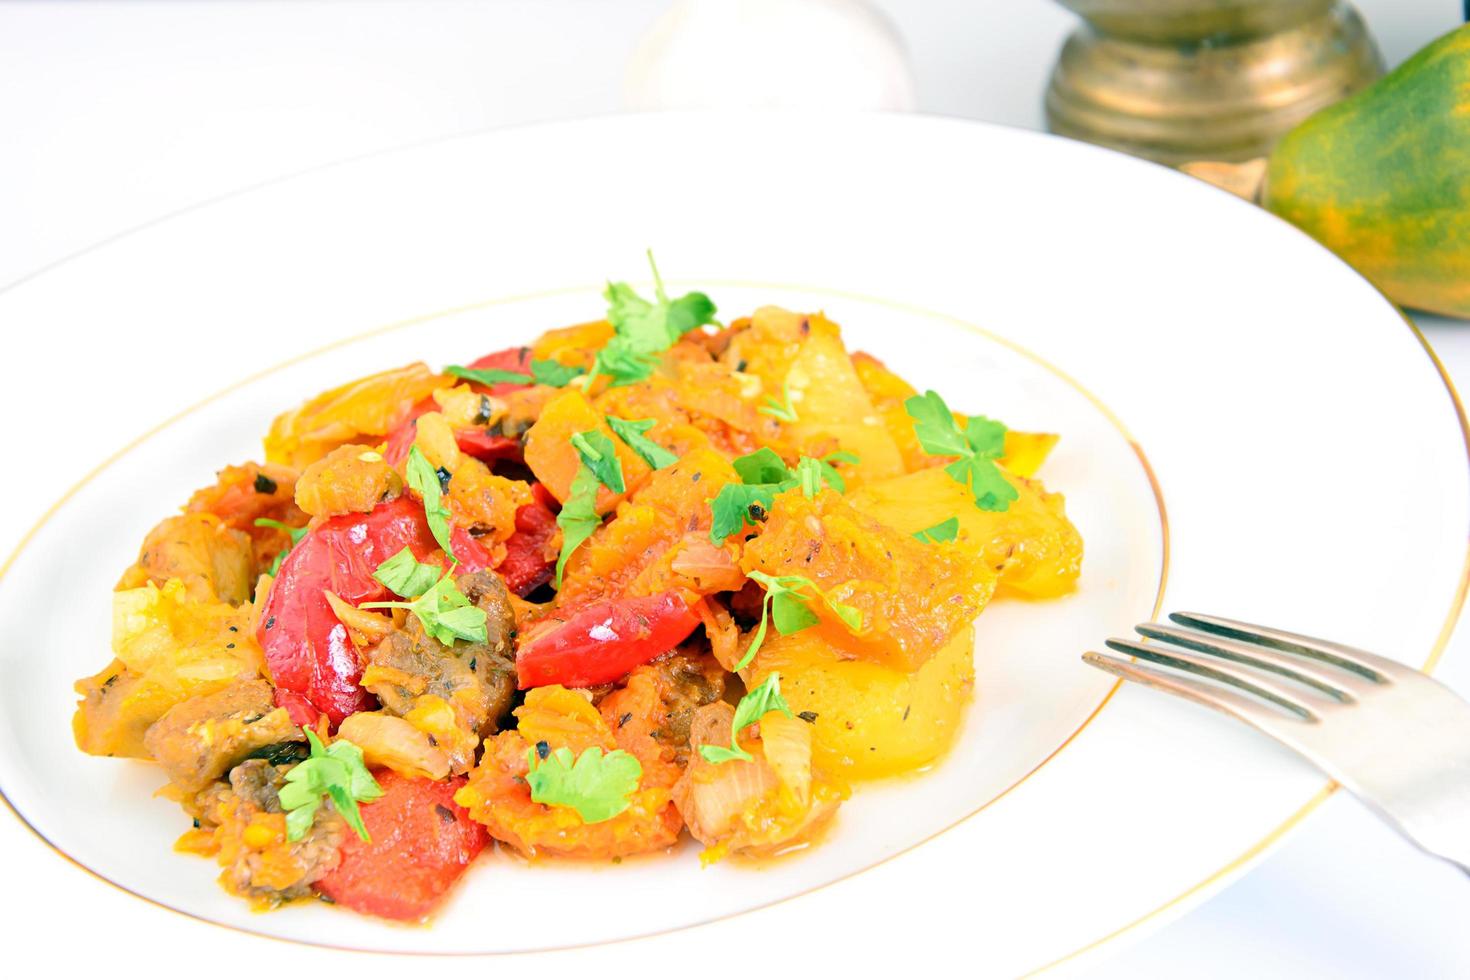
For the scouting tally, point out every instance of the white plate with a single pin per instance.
(1310, 455)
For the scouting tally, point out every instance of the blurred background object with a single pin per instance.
(771, 54)
(1181, 80)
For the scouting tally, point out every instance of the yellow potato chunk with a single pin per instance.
(871, 720)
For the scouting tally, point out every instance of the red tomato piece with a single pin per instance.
(421, 843)
(307, 649)
(600, 643)
(526, 566)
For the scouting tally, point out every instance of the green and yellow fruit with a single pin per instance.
(1383, 179)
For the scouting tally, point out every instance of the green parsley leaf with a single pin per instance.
(643, 329)
(810, 476)
(425, 479)
(766, 697)
(992, 491)
(444, 611)
(597, 786)
(296, 533)
(785, 604)
(601, 457)
(783, 411)
(622, 365)
(406, 576)
(943, 531)
(688, 312)
(631, 432)
(338, 772)
(978, 444)
(488, 376)
(737, 505)
(764, 474)
(554, 374)
(790, 613)
(987, 437)
(762, 466)
(578, 517)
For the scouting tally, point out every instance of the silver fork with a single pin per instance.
(1394, 737)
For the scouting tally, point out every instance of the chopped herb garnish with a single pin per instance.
(737, 505)
(978, 443)
(578, 517)
(643, 329)
(785, 604)
(488, 376)
(445, 612)
(631, 432)
(601, 457)
(779, 410)
(810, 475)
(764, 474)
(337, 772)
(406, 575)
(597, 786)
(296, 533)
(766, 697)
(943, 531)
(762, 466)
(550, 373)
(554, 374)
(424, 478)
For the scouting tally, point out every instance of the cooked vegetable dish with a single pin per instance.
(649, 575)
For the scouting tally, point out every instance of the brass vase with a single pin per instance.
(1181, 80)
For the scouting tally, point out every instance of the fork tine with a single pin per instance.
(1238, 706)
(1304, 706)
(1369, 665)
(1342, 686)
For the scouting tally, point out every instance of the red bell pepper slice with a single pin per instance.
(476, 442)
(510, 359)
(526, 567)
(600, 643)
(306, 649)
(468, 550)
(421, 843)
(485, 447)
(301, 711)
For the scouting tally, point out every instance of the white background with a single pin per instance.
(113, 114)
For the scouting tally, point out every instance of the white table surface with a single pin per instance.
(113, 114)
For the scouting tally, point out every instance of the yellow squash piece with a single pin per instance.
(1032, 545)
(871, 720)
(365, 407)
(552, 457)
(912, 597)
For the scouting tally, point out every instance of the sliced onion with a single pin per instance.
(387, 740)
